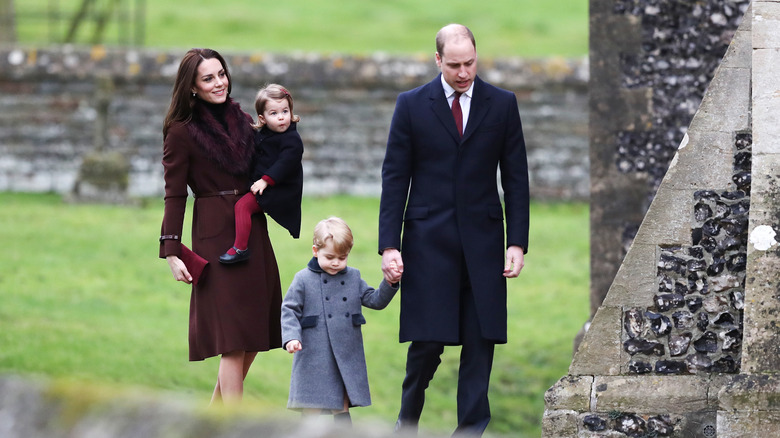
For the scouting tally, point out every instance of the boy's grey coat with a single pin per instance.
(324, 312)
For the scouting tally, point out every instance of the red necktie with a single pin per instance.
(457, 113)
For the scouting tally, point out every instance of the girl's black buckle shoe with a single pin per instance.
(239, 256)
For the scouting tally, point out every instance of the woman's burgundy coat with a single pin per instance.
(233, 307)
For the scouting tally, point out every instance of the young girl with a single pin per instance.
(276, 170)
(321, 319)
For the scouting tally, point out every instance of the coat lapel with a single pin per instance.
(479, 108)
(441, 108)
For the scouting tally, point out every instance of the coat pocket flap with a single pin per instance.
(309, 321)
(416, 213)
(358, 319)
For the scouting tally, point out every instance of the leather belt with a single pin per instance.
(235, 192)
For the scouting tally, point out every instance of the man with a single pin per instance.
(440, 185)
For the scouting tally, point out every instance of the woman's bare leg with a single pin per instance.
(249, 357)
(216, 397)
(233, 368)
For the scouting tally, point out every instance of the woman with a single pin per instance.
(234, 310)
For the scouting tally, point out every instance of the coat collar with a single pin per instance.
(314, 266)
(264, 132)
(230, 148)
(440, 107)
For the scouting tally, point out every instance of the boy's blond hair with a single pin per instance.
(335, 229)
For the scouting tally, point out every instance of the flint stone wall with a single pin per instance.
(686, 341)
(48, 96)
(651, 62)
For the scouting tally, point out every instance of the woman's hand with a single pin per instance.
(293, 346)
(178, 269)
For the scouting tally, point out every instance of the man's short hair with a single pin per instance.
(453, 31)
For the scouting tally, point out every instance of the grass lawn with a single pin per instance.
(83, 296)
(503, 27)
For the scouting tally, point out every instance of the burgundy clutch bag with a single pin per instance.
(195, 264)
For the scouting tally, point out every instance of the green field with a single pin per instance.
(504, 28)
(84, 296)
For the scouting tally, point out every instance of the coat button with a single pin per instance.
(347, 314)
(327, 298)
(345, 298)
(342, 282)
(330, 316)
(325, 280)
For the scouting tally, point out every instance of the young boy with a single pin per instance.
(321, 319)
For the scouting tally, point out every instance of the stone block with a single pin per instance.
(748, 424)
(559, 424)
(600, 350)
(668, 221)
(740, 51)
(702, 424)
(635, 283)
(750, 393)
(650, 394)
(717, 382)
(765, 184)
(761, 218)
(726, 103)
(766, 21)
(705, 159)
(570, 392)
(737, 424)
(761, 337)
(766, 101)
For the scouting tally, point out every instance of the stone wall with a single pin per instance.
(48, 96)
(54, 409)
(686, 342)
(652, 62)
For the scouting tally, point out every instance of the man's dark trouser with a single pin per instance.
(476, 362)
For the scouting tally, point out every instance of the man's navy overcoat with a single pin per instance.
(441, 192)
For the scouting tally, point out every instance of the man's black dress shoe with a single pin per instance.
(239, 256)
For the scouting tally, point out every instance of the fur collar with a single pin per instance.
(232, 149)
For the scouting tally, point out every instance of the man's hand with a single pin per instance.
(515, 260)
(392, 265)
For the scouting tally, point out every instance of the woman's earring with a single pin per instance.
(194, 94)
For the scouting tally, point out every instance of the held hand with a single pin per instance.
(392, 265)
(293, 346)
(515, 260)
(178, 269)
(259, 186)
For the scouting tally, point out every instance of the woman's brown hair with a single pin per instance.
(182, 99)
